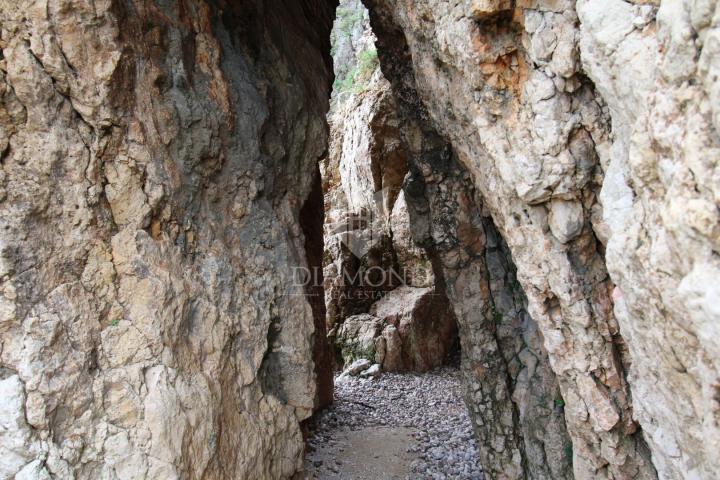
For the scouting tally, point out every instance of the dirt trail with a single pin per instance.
(400, 426)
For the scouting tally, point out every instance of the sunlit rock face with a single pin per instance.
(589, 130)
(545, 170)
(155, 160)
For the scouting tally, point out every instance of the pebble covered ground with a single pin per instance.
(439, 441)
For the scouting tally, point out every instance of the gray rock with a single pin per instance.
(357, 366)
(374, 371)
(566, 219)
(151, 195)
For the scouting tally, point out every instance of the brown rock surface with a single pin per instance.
(425, 326)
(584, 125)
(155, 158)
(370, 255)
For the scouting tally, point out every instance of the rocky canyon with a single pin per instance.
(211, 208)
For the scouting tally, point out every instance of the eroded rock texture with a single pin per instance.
(155, 159)
(503, 84)
(379, 289)
(511, 392)
(581, 125)
(660, 198)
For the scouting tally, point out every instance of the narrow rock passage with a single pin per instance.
(398, 426)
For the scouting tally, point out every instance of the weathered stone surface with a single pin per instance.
(374, 371)
(578, 122)
(481, 9)
(312, 222)
(565, 219)
(425, 326)
(413, 262)
(390, 344)
(17, 446)
(158, 183)
(661, 207)
(358, 366)
(370, 251)
(408, 329)
(362, 176)
(518, 420)
(155, 158)
(527, 130)
(356, 338)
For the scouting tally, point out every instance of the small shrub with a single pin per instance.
(367, 62)
(357, 78)
(347, 17)
(496, 316)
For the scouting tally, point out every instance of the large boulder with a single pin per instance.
(356, 338)
(425, 326)
(409, 329)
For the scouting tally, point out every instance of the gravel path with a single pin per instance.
(396, 426)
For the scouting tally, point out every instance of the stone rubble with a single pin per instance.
(375, 370)
(430, 404)
(356, 367)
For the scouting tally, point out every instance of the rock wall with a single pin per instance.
(155, 159)
(589, 131)
(359, 198)
(511, 392)
(379, 289)
(660, 197)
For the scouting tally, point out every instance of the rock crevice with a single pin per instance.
(383, 302)
(542, 175)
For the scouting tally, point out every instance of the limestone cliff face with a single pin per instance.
(527, 147)
(660, 198)
(379, 285)
(155, 160)
(588, 130)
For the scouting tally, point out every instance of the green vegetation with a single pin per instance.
(497, 316)
(353, 351)
(559, 402)
(357, 78)
(347, 17)
(352, 72)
